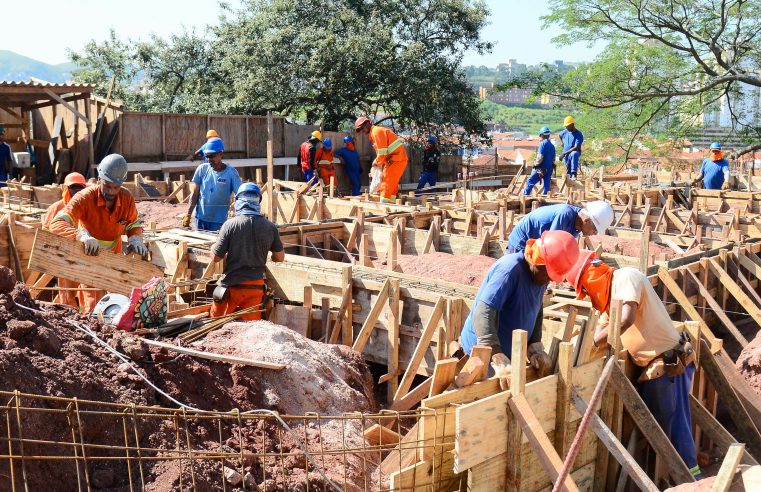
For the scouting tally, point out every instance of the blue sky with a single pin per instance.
(515, 27)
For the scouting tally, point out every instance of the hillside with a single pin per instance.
(523, 119)
(18, 67)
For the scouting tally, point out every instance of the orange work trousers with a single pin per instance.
(392, 173)
(68, 297)
(240, 298)
(88, 299)
(325, 173)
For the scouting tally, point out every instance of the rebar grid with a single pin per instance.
(141, 445)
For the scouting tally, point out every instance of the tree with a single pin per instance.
(666, 64)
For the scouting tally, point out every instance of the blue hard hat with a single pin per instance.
(716, 145)
(328, 143)
(432, 139)
(543, 130)
(348, 138)
(248, 188)
(213, 146)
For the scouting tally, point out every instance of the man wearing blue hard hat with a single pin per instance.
(543, 165)
(350, 157)
(215, 182)
(714, 172)
(431, 160)
(244, 242)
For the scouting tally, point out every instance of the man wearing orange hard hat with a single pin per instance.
(390, 156)
(511, 296)
(199, 152)
(664, 355)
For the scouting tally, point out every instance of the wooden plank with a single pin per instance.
(517, 387)
(62, 257)
(443, 375)
(726, 474)
(392, 334)
(381, 435)
(475, 444)
(404, 454)
(216, 357)
(735, 290)
(372, 318)
(703, 290)
(562, 410)
(748, 264)
(714, 430)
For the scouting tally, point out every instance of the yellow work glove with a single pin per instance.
(185, 220)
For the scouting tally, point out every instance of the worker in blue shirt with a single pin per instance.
(593, 219)
(199, 153)
(6, 159)
(215, 182)
(350, 158)
(543, 165)
(431, 160)
(572, 140)
(510, 298)
(714, 172)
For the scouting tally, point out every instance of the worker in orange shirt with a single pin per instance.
(99, 215)
(73, 184)
(324, 159)
(391, 157)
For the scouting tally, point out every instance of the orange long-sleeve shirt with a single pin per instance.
(51, 212)
(386, 144)
(88, 210)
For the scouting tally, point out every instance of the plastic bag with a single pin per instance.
(147, 307)
(375, 178)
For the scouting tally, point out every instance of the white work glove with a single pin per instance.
(136, 244)
(92, 246)
(501, 365)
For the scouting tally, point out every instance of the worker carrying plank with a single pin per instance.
(390, 156)
(307, 156)
(714, 172)
(572, 140)
(665, 356)
(244, 242)
(98, 216)
(215, 182)
(72, 184)
(350, 158)
(544, 164)
(324, 158)
(510, 297)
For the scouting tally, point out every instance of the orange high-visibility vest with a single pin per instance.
(386, 144)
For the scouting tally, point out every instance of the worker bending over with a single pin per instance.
(99, 215)
(665, 356)
(244, 242)
(325, 169)
(714, 172)
(593, 219)
(350, 157)
(72, 184)
(510, 298)
(572, 140)
(431, 160)
(391, 157)
(543, 165)
(199, 153)
(215, 183)
(307, 156)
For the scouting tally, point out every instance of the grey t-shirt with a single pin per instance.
(246, 240)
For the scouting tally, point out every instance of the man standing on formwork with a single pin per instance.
(572, 140)
(543, 165)
(665, 356)
(244, 242)
(307, 156)
(99, 215)
(391, 157)
(511, 296)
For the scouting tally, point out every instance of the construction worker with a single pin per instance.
(199, 153)
(73, 184)
(99, 215)
(511, 296)
(593, 219)
(714, 172)
(648, 334)
(391, 157)
(572, 140)
(543, 165)
(324, 158)
(215, 182)
(431, 160)
(350, 157)
(307, 155)
(6, 159)
(244, 242)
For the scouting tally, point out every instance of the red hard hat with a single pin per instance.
(573, 276)
(560, 251)
(361, 121)
(74, 179)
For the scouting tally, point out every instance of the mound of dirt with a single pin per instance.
(165, 215)
(749, 363)
(461, 269)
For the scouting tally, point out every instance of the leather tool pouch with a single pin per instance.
(221, 294)
(672, 363)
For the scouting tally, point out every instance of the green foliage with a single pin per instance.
(523, 119)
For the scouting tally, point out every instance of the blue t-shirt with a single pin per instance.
(215, 191)
(713, 173)
(350, 158)
(508, 288)
(547, 150)
(571, 139)
(559, 217)
(5, 155)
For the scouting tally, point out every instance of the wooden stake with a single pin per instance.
(270, 167)
(726, 474)
(392, 332)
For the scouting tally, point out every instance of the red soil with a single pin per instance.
(463, 269)
(631, 247)
(165, 215)
(749, 363)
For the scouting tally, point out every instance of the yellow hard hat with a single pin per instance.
(317, 134)
(212, 133)
(568, 120)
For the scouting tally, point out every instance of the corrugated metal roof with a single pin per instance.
(42, 84)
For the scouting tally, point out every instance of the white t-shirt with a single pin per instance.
(653, 331)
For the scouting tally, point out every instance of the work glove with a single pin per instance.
(501, 365)
(725, 186)
(92, 246)
(136, 244)
(539, 359)
(185, 220)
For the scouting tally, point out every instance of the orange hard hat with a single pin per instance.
(361, 121)
(560, 251)
(573, 276)
(212, 133)
(74, 179)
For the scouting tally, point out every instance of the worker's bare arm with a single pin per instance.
(194, 200)
(278, 257)
(628, 315)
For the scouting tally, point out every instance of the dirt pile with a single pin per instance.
(749, 363)
(165, 215)
(461, 269)
(632, 247)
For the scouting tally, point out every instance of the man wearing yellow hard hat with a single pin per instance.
(307, 154)
(199, 152)
(572, 140)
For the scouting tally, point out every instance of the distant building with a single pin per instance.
(510, 96)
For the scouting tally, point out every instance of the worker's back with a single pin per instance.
(246, 240)
(560, 217)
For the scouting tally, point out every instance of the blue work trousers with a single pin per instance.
(354, 179)
(534, 179)
(427, 178)
(308, 175)
(572, 162)
(669, 401)
(204, 225)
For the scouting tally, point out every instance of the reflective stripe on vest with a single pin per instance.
(391, 148)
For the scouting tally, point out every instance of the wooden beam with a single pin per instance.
(714, 430)
(735, 291)
(372, 317)
(726, 475)
(563, 402)
(271, 168)
(216, 357)
(703, 290)
(392, 334)
(443, 375)
(67, 105)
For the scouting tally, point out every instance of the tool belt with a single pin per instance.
(672, 362)
(221, 293)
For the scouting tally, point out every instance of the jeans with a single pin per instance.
(203, 225)
(534, 179)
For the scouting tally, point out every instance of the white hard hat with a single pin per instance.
(601, 214)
